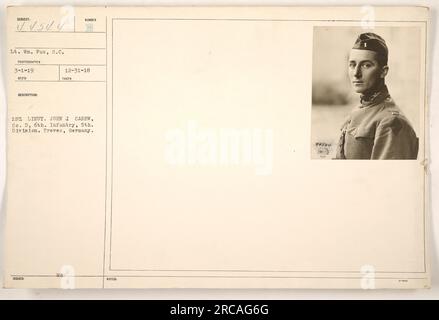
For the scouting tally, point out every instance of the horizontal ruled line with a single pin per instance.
(256, 271)
(60, 48)
(60, 31)
(182, 276)
(60, 64)
(65, 81)
(256, 19)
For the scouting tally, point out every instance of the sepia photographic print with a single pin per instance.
(366, 93)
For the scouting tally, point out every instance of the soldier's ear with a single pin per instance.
(384, 72)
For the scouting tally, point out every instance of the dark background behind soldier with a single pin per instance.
(332, 94)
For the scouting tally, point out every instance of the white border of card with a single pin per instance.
(169, 147)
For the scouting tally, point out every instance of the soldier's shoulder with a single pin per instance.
(389, 111)
(391, 116)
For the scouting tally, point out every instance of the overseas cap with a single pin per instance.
(373, 42)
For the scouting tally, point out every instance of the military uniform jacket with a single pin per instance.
(377, 130)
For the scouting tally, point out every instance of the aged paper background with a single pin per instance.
(305, 220)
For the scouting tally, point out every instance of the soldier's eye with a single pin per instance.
(352, 65)
(367, 65)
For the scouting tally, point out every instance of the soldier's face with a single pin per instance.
(364, 70)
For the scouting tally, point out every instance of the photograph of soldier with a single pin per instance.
(366, 93)
(377, 129)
